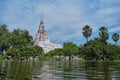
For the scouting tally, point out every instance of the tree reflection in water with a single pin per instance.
(59, 70)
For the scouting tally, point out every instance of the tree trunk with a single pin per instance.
(115, 42)
(87, 39)
(69, 58)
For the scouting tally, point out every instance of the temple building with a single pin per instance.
(42, 39)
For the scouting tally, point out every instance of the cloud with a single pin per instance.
(64, 19)
(115, 29)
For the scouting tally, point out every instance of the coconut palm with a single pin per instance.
(87, 31)
(115, 37)
(103, 34)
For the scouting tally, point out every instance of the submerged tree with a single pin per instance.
(103, 34)
(87, 31)
(115, 37)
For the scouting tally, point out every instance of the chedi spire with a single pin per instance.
(42, 40)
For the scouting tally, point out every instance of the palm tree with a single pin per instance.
(115, 37)
(103, 37)
(103, 34)
(87, 31)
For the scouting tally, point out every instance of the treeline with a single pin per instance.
(97, 49)
(18, 43)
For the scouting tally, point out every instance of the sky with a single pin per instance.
(63, 19)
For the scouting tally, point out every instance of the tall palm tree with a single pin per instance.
(87, 31)
(115, 37)
(103, 37)
(103, 34)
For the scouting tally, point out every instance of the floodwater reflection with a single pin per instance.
(59, 70)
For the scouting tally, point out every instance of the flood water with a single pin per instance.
(59, 70)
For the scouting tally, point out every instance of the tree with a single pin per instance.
(70, 49)
(87, 31)
(115, 37)
(4, 38)
(3, 29)
(51, 53)
(20, 38)
(103, 34)
(92, 51)
(103, 37)
(38, 51)
(21, 43)
(96, 51)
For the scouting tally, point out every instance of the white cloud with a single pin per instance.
(114, 29)
(64, 19)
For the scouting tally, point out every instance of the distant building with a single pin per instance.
(42, 40)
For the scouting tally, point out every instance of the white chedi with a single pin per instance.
(42, 40)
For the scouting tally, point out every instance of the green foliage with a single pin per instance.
(96, 51)
(18, 43)
(103, 34)
(38, 51)
(51, 53)
(1, 57)
(55, 52)
(4, 37)
(69, 49)
(20, 38)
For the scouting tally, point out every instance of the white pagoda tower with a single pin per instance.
(42, 40)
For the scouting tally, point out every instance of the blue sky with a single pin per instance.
(64, 19)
